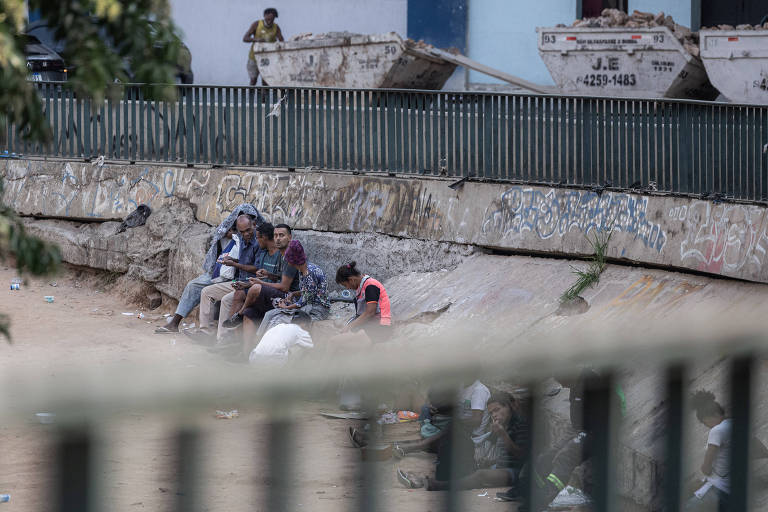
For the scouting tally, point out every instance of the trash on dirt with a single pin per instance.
(388, 418)
(5, 498)
(484, 494)
(406, 416)
(48, 298)
(127, 313)
(351, 415)
(46, 418)
(173, 341)
(227, 415)
(140, 316)
(53, 283)
(167, 315)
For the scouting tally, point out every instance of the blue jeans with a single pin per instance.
(191, 295)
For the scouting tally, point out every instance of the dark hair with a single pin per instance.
(705, 405)
(270, 10)
(346, 271)
(267, 230)
(285, 227)
(505, 399)
(302, 319)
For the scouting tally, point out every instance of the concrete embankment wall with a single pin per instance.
(718, 238)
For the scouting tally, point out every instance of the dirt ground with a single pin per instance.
(85, 325)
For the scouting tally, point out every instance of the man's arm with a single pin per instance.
(240, 266)
(709, 459)
(248, 37)
(283, 285)
(280, 34)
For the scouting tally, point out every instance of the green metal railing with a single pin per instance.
(669, 145)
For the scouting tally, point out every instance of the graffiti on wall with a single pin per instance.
(550, 213)
(649, 291)
(98, 192)
(722, 238)
(308, 201)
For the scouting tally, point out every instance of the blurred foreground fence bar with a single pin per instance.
(77, 486)
(667, 145)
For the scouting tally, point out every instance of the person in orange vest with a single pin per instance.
(261, 31)
(372, 311)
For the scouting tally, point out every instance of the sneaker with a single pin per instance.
(233, 321)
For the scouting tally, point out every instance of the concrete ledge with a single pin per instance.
(720, 239)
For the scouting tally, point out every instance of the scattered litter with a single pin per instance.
(570, 497)
(127, 313)
(162, 489)
(53, 283)
(482, 495)
(388, 418)
(140, 316)
(192, 325)
(406, 416)
(5, 498)
(98, 161)
(227, 415)
(167, 315)
(48, 298)
(275, 112)
(352, 415)
(16, 283)
(173, 340)
(46, 418)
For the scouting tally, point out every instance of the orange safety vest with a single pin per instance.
(382, 308)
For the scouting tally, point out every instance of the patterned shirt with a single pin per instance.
(313, 287)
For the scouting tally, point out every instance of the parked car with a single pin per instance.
(45, 62)
(43, 59)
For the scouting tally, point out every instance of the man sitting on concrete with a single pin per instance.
(258, 298)
(245, 267)
(222, 244)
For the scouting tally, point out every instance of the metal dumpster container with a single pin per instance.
(737, 63)
(351, 61)
(625, 62)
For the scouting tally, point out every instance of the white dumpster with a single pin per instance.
(625, 62)
(737, 63)
(351, 61)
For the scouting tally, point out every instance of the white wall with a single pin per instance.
(214, 30)
(502, 34)
(680, 10)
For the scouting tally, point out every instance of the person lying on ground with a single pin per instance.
(212, 265)
(311, 298)
(471, 404)
(249, 255)
(372, 308)
(553, 469)
(284, 341)
(256, 297)
(714, 491)
(503, 451)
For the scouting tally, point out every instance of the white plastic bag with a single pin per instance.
(227, 272)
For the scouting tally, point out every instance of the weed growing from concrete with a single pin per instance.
(590, 276)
